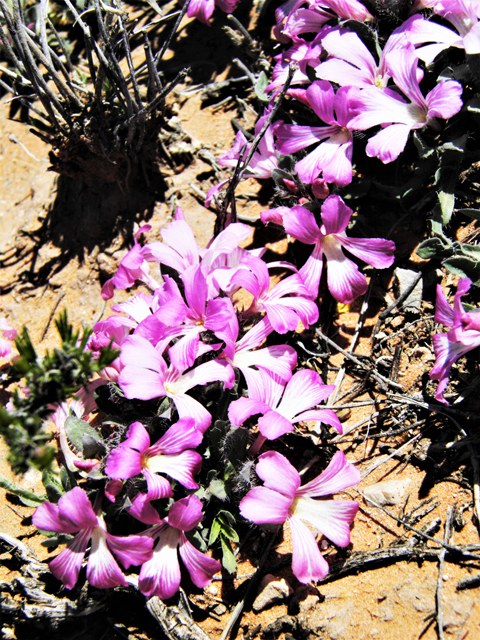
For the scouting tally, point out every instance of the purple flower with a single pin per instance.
(9, 334)
(462, 14)
(282, 406)
(74, 513)
(203, 9)
(172, 454)
(383, 106)
(285, 304)
(301, 20)
(282, 499)
(160, 576)
(132, 267)
(332, 156)
(345, 282)
(462, 337)
(145, 376)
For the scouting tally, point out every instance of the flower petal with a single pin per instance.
(307, 562)
(278, 474)
(66, 566)
(201, 567)
(331, 517)
(339, 475)
(161, 576)
(265, 506)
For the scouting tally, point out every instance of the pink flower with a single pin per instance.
(285, 304)
(383, 106)
(282, 406)
(282, 499)
(332, 157)
(172, 454)
(345, 282)
(464, 15)
(9, 334)
(203, 9)
(132, 267)
(145, 376)
(74, 513)
(161, 576)
(462, 337)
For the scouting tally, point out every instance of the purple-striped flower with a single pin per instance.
(345, 282)
(74, 514)
(282, 406)
(172, 455)
(377, 106)
(160, 576)
(282, 499)
(332, 157)
(462, 337)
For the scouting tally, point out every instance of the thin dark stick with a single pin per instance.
(166, 44)
(154, 103)
(242, 165)
(376, 376)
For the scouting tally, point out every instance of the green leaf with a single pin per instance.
(433, 248)
(228, 558)
(223, 524)
(53, 485)
(76, 429)
(464, 267)
(262, 84)
(447, 203)
(28, 498)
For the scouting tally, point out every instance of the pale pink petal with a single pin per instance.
(331, 517)
(345, 282)
(292, 138)
(443, 311)
(243, 408)
(264, 506)
(47, 518)
(180, 436)
(300, 224)
(335, 215)
(321, 415)
(311, 272)
(388, 143)
(181, 466)
(339, 475)
(185, 514)
(278, 474)
(142, 509)
(201, 567)
(188, 407)
(74, 507)
(378, 252)
(444, 100)
(304, 391)
(161, 576)
(66, 566)
(138, 382)
(157, 486)
(130, 550)
(273, 425)
(308, 564)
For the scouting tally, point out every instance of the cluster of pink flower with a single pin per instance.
(165, 353)
(370, 93)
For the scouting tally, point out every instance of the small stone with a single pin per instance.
(220, 609)
(309, 603)
(213, 590)
(270, 592)
(405, 279)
